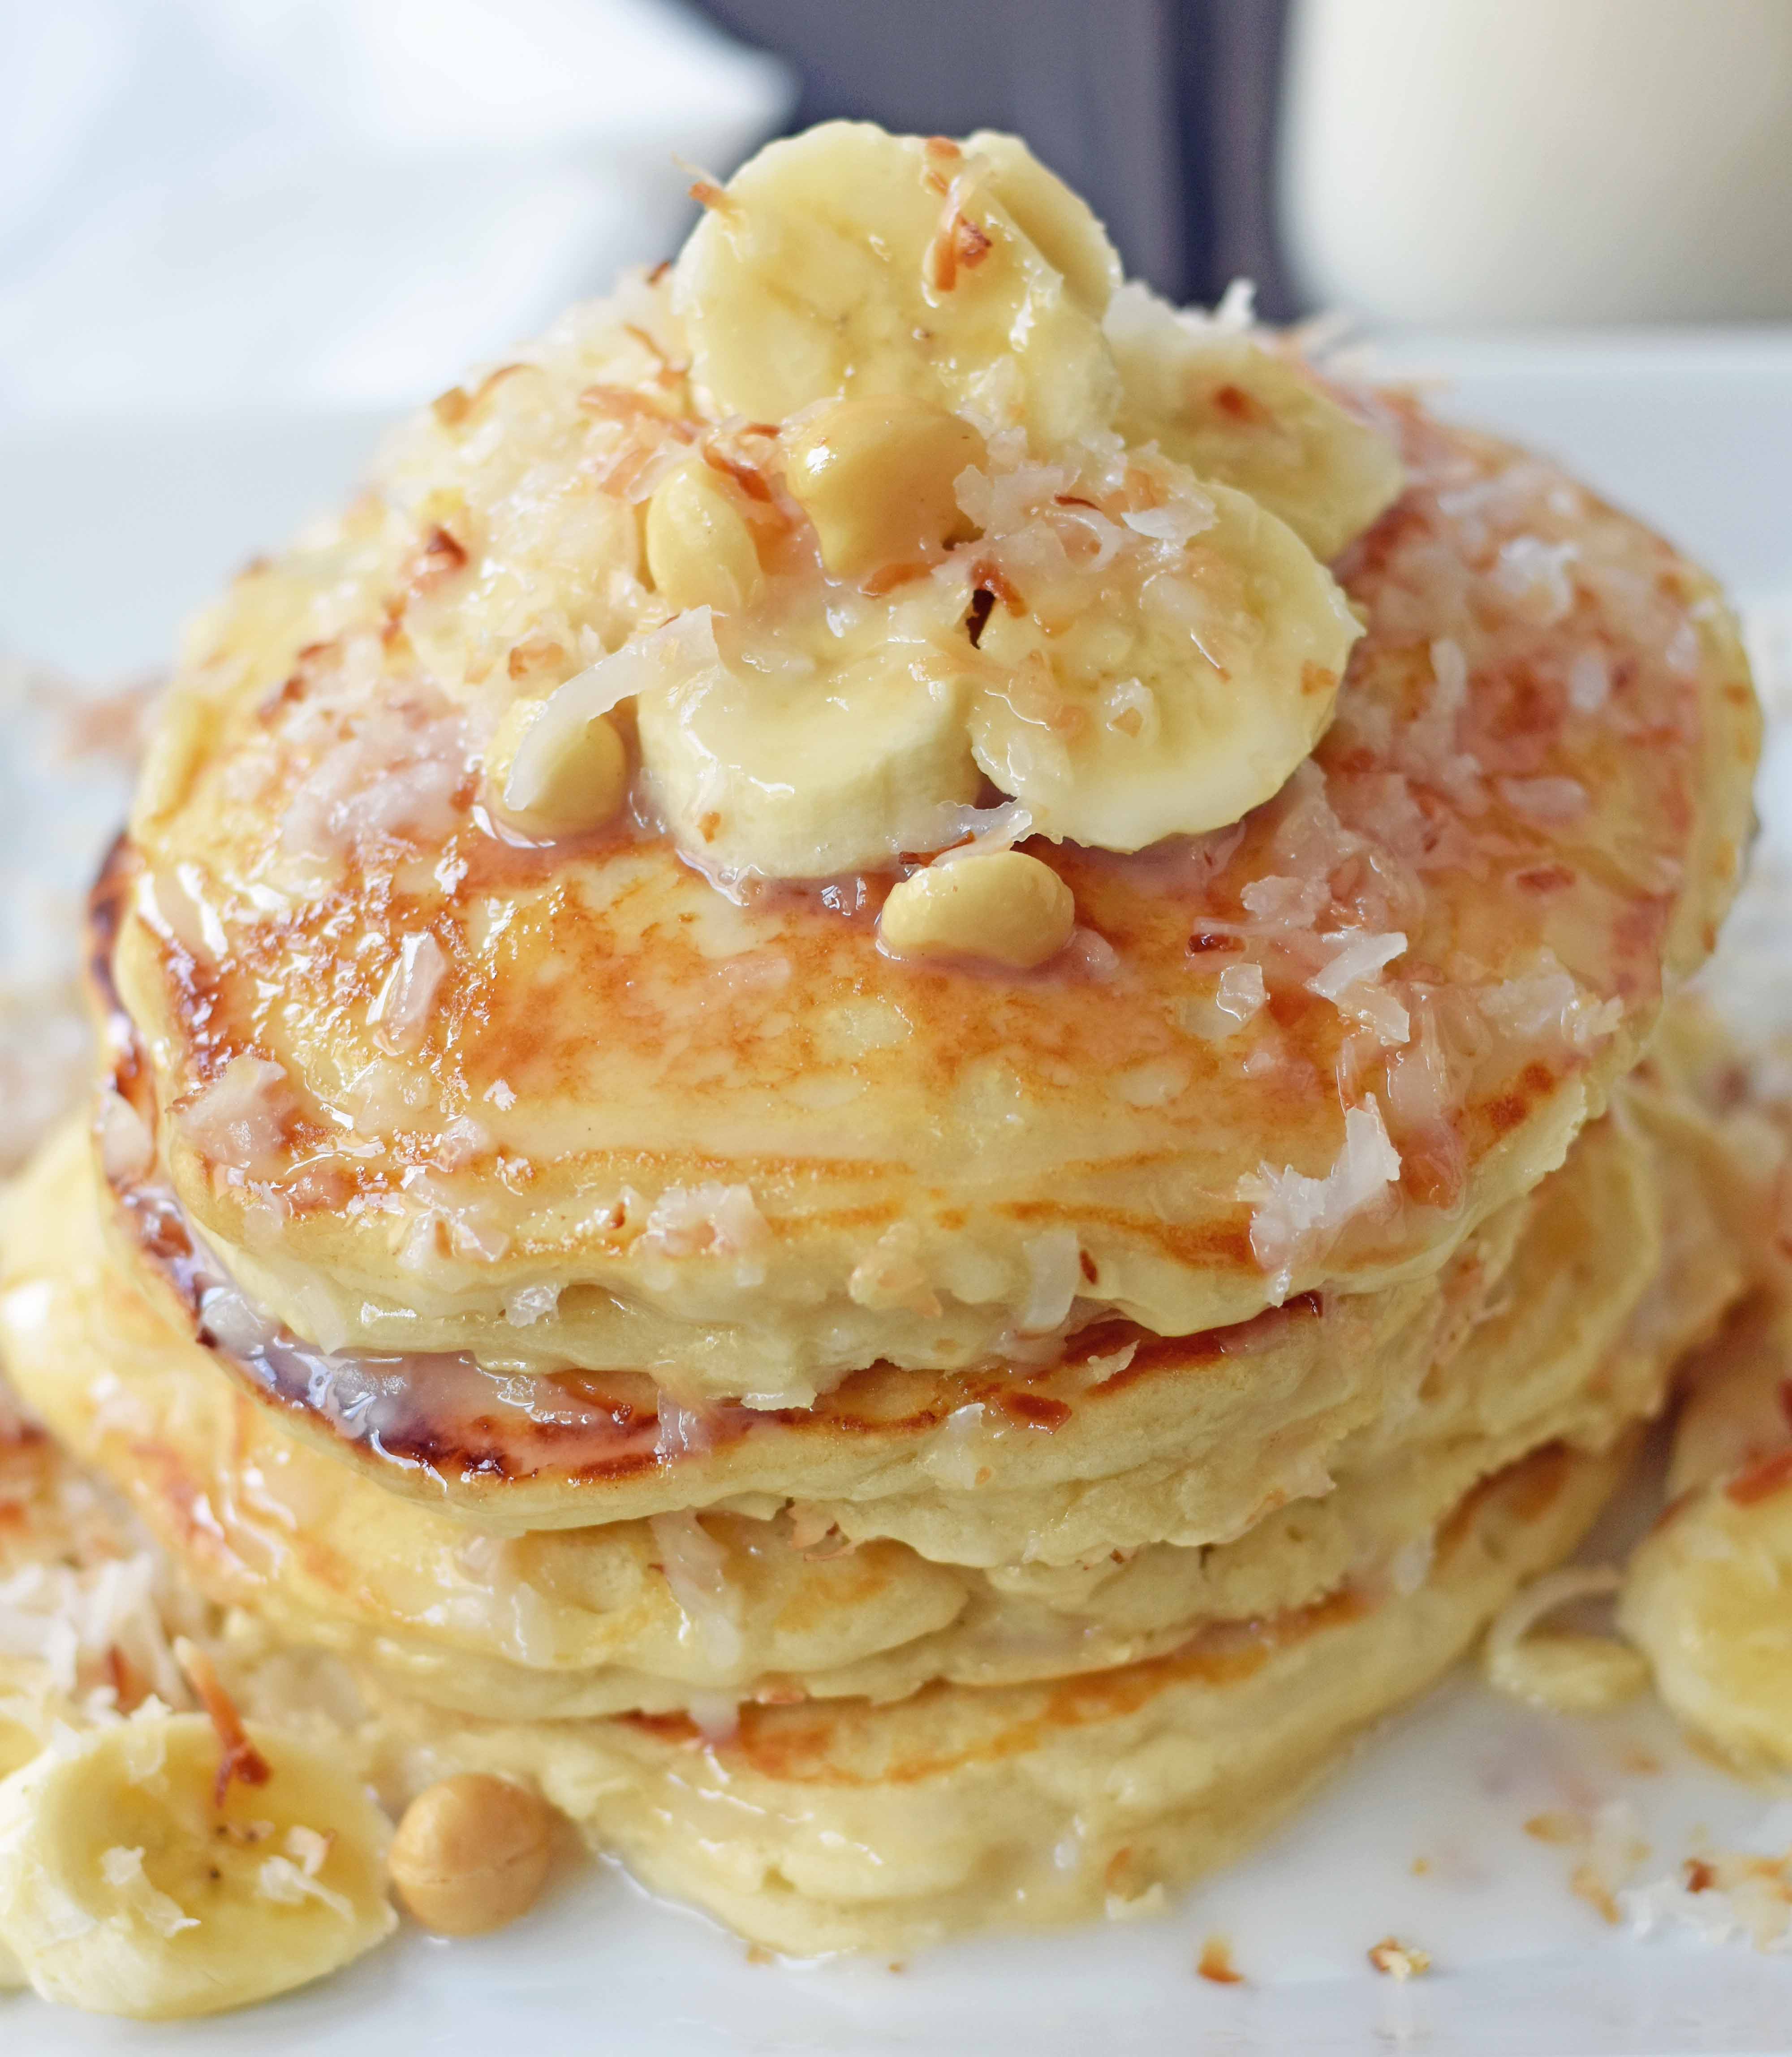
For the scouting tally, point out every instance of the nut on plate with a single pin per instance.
(471, 1853)
(1002, 904)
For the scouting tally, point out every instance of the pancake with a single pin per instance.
(653, 1615)
(850, 1824)
(1221, 1425)
(846, 1825)
(1127, 1439)
(636, 1125)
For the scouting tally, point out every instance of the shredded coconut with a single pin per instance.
(289, 1884)
(1535, 573)
(952, 1457)
(1092, 954)
(1054, 1267)
(402, 1007)
(1399, 1960)
(710, 1220)
(391, 781)
(681, 1431)
(1725, 1896)
(240, 1119)
(679, 650)
(122, 1869)
(890, 1274)
(696, 1569)
(1555, 802)
(1589, 681)
(1350, 979)
(1295, 1217)
(70, 1618)
(127, 1148)
(1178, 522)
(986, 829)
(1547, 1005)
(530, 1304)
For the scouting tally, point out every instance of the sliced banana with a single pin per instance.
(1060, 224)
(848, 261)
(1232, 410)
(128, 1886)
(806, 776)
(1175, 709)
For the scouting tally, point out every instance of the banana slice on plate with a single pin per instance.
(1175, 709)
(847, 261)
(129, 1885)
(837, 770)
(1232, 411)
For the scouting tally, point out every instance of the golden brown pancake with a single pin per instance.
(765, 1599)
(1225, 1423)
(849, 1825)
(844, 1823)
(644, 1127)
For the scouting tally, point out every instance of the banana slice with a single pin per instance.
(804, 777)
(1060, 224)
(1232, 410)
(847, 261)
(1176, 708)
(127, 1886)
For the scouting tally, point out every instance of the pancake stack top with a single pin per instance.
(895, 983)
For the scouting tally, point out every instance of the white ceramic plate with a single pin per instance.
(107, 534)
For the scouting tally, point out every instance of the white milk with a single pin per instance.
(1455, 162)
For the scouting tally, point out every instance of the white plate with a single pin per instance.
(107, 534)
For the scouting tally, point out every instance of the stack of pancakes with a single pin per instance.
(892, 1446)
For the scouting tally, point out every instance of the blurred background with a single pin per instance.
(209, 202)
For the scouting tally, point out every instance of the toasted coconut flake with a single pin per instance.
(712, 1221)
(238, 1757)
(678, 650)
(1214, 1962)
(696, 1569)
(1737, 1896)
(1054, 1265)
(1399, 1960)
